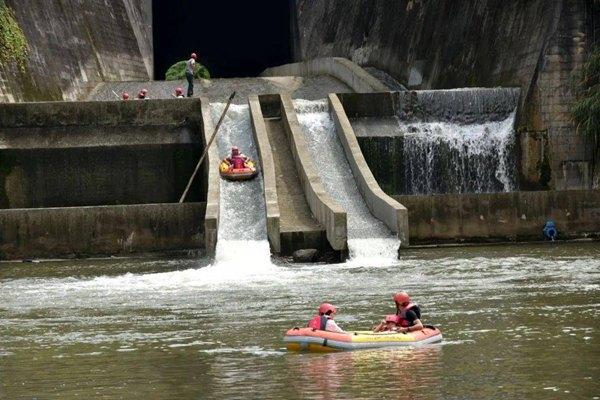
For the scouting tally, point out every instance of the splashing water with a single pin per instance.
(442, 157)
(459, 140)
(370, 241)
(242, 246)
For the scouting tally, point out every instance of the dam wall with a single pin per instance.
(100, 178)
(76, 44)
(534, 45)
(501, 217)
(100, 230)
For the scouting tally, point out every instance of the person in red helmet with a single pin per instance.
(179, 93)
(143, 94)
(190, 68)
(125, 96)
(406, 319)
(236, 159)
(324, 320)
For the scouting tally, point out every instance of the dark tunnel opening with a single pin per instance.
(234, 38)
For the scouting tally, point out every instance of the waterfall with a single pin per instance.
(457, 141)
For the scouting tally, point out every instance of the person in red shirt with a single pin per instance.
(237, 160)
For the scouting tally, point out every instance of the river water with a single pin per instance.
(518, 322)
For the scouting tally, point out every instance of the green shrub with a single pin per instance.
(13, 44)
(177, 71)
(586, 109)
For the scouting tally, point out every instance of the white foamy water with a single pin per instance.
(242, 246)
(369, 240)
(444, 157)
(242, 255)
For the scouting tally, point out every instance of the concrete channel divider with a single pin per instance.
(382, 206)
(325, 210)
(267, 166)
(341, 68)
(213, 182)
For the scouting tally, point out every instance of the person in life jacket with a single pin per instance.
(179, 93)
(550, 231)
(237, 160)
(406, 319)
(143, 94)
(324, 320)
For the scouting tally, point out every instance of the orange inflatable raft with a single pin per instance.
(237, 174)
(308, 339)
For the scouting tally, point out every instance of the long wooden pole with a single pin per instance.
(206, 149)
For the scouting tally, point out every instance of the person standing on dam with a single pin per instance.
(190, 68)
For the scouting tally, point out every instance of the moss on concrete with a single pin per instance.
(545, 172)
(5, 169)
(13, 44)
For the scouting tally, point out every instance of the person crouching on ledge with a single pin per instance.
(324, 321)
(406, 319)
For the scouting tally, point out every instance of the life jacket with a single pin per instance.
(238, 162)
(319, 322)
(400, 318)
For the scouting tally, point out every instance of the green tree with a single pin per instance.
(586, 109)
(177, 71)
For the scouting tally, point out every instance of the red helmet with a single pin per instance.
(235, 151)
(179, 91)
(125, 96)
(401, 298)
(193, 56)
(326, 307)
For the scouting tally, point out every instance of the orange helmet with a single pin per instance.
(326, 307)
(401, 297)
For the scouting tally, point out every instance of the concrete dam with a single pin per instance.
(351, 163)
(349, 174)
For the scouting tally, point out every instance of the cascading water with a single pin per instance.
(369, 240)
(458, 141)
(242, 236)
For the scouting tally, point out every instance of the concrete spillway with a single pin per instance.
(242, 234)
(368, 238)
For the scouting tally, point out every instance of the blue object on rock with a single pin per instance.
(550, 231)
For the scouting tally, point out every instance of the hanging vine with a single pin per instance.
(586, 110)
